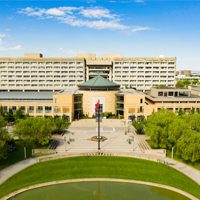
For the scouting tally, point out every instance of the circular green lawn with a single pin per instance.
(99, 167)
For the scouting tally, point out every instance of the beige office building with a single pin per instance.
(34, 72)
(121, 102)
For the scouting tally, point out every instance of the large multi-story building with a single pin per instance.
(123, 102)
(184, 72)
(34, 72)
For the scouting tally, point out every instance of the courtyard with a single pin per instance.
(81, 131)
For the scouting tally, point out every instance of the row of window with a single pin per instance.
(144, 63)
(132, 67)
(42, 76)
(41, 72)
(146, 72)
(119, 76)
(41, 67)
(144, 85)
(36, 85)
(31, 108)
(40, 81)
(40, 63)
(169, 81)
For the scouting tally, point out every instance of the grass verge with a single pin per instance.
(41, 154)
(99, 167)
(196, 165)
(18, 154)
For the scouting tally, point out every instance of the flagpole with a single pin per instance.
(98, 125)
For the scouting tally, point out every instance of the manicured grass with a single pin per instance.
(41, 154)
(196, 165)
(99, 167)
(18, 154)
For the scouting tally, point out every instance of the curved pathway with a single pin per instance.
(99, 179)
(15, 168)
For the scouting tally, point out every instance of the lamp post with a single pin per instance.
(133, 143)
(65, 142)
(24, 150)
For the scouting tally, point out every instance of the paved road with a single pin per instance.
(15, 168)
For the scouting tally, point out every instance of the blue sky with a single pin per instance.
(135, 28)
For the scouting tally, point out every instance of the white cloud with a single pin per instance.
(55, 11)
(97, 13)
(2, 35)
(18, 47)
(93, 24)
(98, 17)
(139, 1)
(3, 48)
(7, 29)
(91, 1)
(139, 28)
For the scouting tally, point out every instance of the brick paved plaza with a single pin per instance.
(113, 129)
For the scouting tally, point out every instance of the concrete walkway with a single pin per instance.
(15, 168)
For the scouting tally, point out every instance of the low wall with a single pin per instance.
(43, 151)
(99, 179)
(156, 152)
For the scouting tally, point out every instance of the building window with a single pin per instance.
(31, 109)
(56, 100)
(141, 100)
(14, 108)
(171, 94)
(160, 93)
(22, 108)
(48, 109)
(5, 108)
(141, 109)
(56, 109)
(165, 94)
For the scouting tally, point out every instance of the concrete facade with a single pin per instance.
(36, 73)
(76, 103)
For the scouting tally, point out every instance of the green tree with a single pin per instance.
(192, 110)
(180, 84)
(186, 82)
(19, 114)
(181, 112)
(60, 124)
(193, 121)
(139, 126)
(143, 120)
(9, 116)
(55, 117)
(107, 114)
(1, 111)
(188, 146)
(194, 81)
(64, 117)
(34, 129)
(157, 128)
(161, 86)
(176, 129)
(132, 118)
(26, 115)
(4, 138)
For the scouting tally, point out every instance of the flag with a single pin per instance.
(96, 106)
